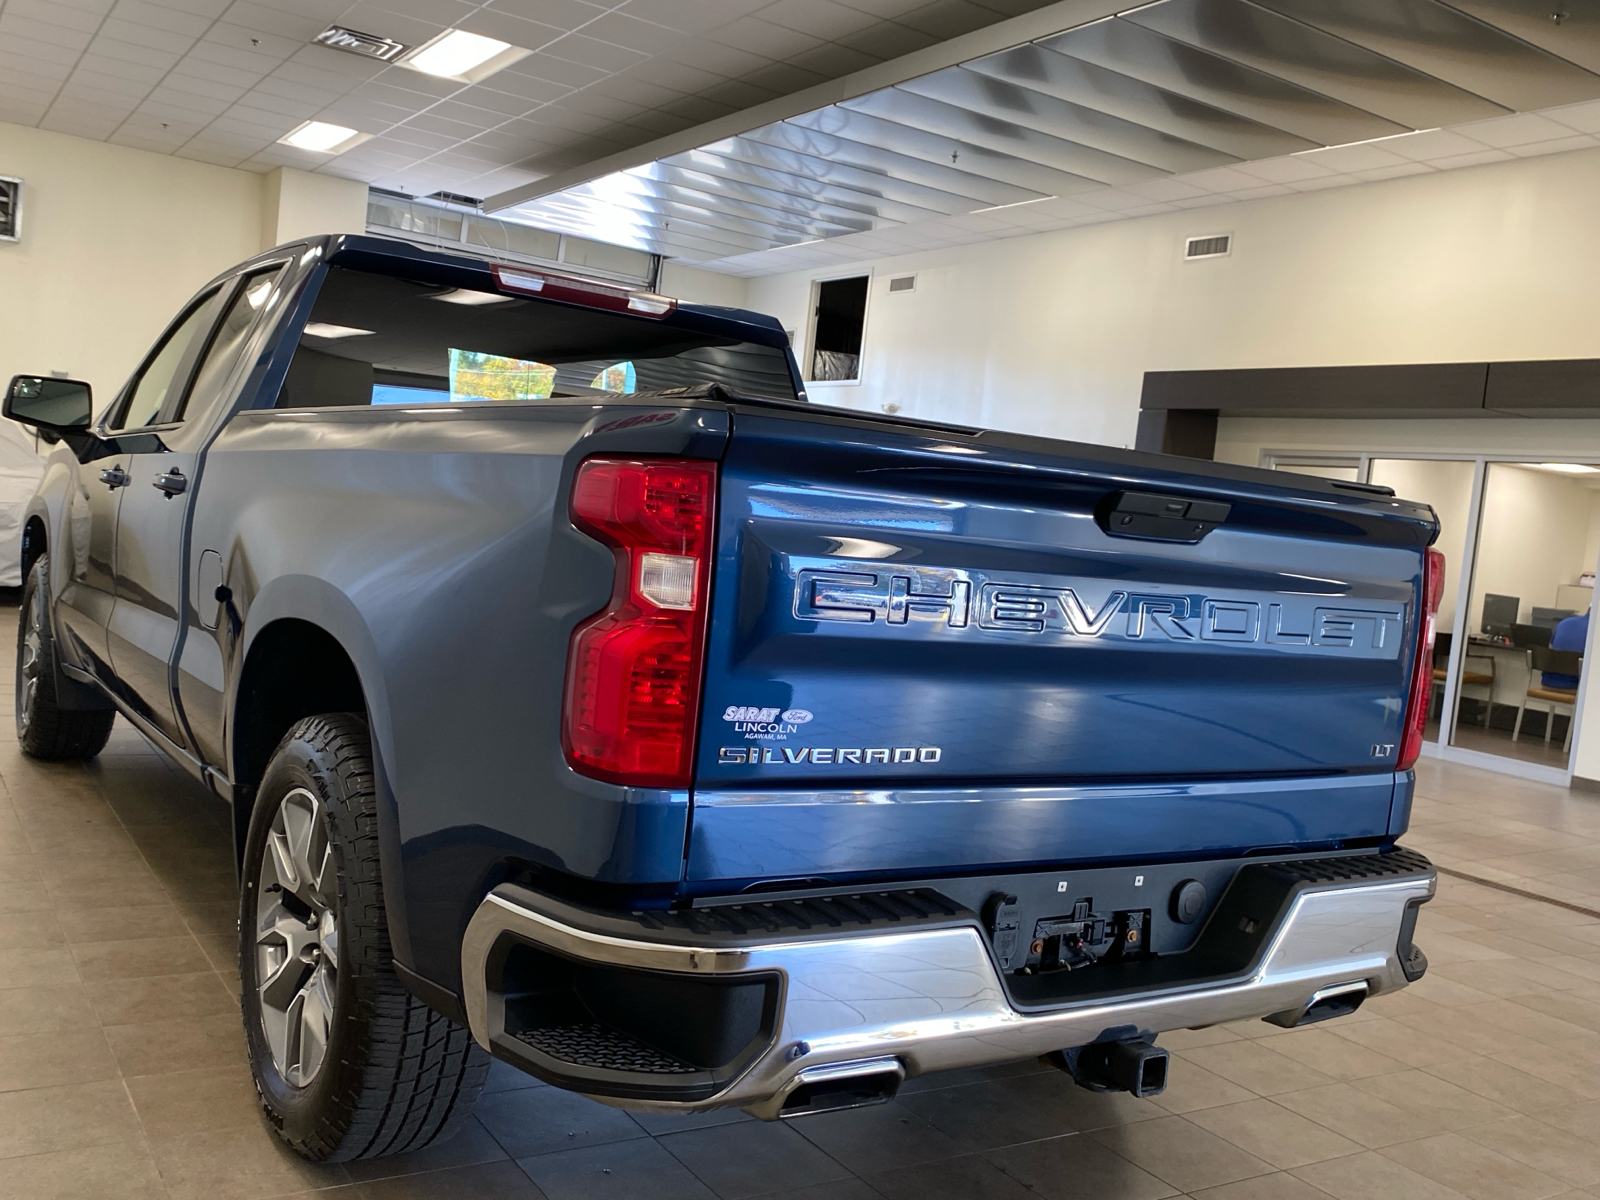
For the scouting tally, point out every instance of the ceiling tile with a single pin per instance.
(645, 37)
(587, 100)
(191, 67)
(139, 59)
(67, 17)
(1287, 168)
(729, 62)
(12, 25)
(603, 56)
(888, 39)
(1555, 146)
(564, 14)
(86, 78)
(169, 103)
(557, 70)
(248, 62)
(1429, 144)
(254, 41)
(1515, 130)
(820, 18)
(738, 94)
(691, 16)
(291, 109)
(1376, 174)
(209, 9)
(32, 49)
(291, 90)
(771, 41)
(507, 27)
(1359, 157)
(527, 87)
(456, 130)
(947, 18)
(159, 16)
(832, 60)
(783, 78)
(272, 20)
(448, 13)
(677, 76)
(1482, 158)
(1583, 117)
(498, 105)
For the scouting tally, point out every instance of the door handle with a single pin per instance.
(115, 477)
(172, 482)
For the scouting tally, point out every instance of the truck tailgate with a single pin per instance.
(931, 651)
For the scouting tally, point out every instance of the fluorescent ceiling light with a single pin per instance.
(457, 54)
(321, 329)
(468, 296)
(320, 136)
(1569, 468)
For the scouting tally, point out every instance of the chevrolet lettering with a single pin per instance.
(976, 603)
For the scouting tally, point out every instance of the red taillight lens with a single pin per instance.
(1422, 673)
(634, 669)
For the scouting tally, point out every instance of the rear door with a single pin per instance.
(931, 651)
(144, 627)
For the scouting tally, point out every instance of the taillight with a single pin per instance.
(1421, 698)
(634, 668)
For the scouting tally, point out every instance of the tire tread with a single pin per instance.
(420, 1073)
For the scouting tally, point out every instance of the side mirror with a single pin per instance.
(57, 405)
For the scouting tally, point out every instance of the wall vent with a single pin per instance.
(903, 283)
(1211, 245)
(368, 45)
(10, 209)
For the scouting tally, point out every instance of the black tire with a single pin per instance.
(393, 1075)
(44, 729)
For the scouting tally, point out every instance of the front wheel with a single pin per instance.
(44, 728)
(347, 1063)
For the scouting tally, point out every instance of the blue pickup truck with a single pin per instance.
(588, 699)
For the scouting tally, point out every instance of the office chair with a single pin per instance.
(1560, 662)
(1471, 676)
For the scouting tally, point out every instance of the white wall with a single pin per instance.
(295, 204)
(114, 240)
(1448, 487)
(694, 286)
(1052, 333)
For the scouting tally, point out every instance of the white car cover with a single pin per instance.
(20, 469)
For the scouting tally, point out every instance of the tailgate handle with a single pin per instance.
(1161, 518)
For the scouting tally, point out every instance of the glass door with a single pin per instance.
(1447, 485)
(1527, 613)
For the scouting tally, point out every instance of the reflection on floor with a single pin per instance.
(122, 1067)
(1529, 748)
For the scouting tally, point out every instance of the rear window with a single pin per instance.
(376, 339)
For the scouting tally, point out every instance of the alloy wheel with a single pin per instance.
(297, 938)
(28, 662)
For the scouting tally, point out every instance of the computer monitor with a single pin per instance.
(1550, 617)
(1531, 635)
(1500, 613)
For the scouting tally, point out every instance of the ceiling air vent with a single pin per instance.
(903, 283)
(368, 45)
(456, 198)
(1211, 245)
(10, 209)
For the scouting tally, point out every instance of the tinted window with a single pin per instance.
(374, 339)
(160, 374)
(229, 338)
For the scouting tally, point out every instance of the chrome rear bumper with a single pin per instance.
(931, 999)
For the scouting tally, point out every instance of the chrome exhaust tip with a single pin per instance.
(1340, 1000)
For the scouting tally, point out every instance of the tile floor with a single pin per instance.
(122, 1073)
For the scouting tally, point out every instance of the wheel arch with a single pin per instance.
(305, 650)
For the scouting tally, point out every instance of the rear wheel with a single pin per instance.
(348, 1064)
(44, 729)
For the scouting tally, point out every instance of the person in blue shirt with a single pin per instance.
(1570, 634)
